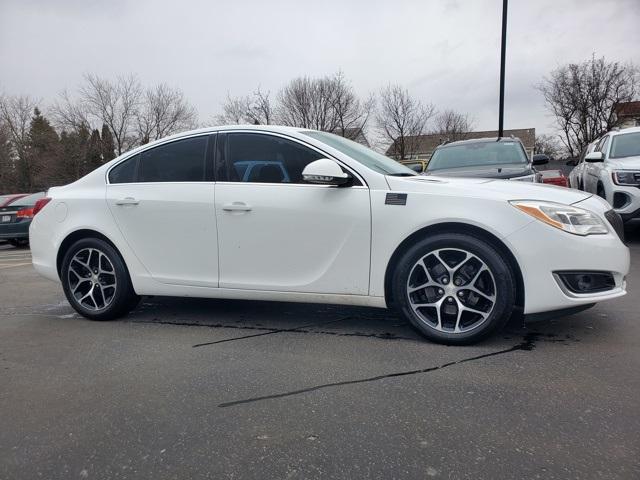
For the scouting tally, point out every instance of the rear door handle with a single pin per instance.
(236, 207)
(127, 201)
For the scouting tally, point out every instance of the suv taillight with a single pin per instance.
(40, 204)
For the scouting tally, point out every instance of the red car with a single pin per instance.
(7, 199)
(554, 177)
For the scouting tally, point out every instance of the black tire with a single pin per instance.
(503, 280)
(122, 301)
(19, 242)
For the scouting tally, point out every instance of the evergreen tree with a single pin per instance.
(94, 152)
(8, 180)
(108, 145)
(43, 153)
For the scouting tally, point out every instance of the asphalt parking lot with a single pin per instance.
(186, 388)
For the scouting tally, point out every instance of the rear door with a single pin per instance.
(162, 201)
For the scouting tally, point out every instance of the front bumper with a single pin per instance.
(542, 250)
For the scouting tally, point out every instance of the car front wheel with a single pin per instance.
(454, 288)
(95, 280)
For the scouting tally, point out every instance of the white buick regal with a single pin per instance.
(278, 213)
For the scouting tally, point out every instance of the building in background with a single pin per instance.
(627, 114)
(422, 146)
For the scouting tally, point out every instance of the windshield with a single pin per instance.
(362, 154)
(477, 154)
(625, 145)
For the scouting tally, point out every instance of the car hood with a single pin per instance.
(508, 170)
(626, 163)
(486, 188)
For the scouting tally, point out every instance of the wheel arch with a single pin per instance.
(454, 227)
(73, 237)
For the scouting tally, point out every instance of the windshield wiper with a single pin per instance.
(402, 174)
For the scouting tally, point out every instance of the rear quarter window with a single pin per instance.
(125, 172)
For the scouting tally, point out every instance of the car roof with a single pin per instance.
(622, 131)
(479, 140)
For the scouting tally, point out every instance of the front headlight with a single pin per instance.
(626, 178)
(565, 217)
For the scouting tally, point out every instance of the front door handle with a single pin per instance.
(236, 207)
(127, 201)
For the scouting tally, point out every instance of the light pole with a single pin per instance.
(502, 61)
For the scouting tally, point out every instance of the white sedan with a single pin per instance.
(286, 214)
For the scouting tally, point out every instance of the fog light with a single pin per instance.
(587, 282)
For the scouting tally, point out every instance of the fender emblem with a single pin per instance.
(396, 199)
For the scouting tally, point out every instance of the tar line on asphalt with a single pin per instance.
(527, 344)
(271, 332)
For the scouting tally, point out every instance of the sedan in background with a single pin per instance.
(12, 197)
(16, 217)
(456, 257)
(502, 158)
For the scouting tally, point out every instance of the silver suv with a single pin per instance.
(612, 170)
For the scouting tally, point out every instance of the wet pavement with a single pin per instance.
(193, 388)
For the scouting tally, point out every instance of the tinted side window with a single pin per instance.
(179, 161)
(263, 158)
(124, 172)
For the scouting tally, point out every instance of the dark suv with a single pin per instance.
(503, 158)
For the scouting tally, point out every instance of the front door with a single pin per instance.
(276, 232)
(162, 202)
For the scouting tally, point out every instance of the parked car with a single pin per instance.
(12, 197)
(16, 217)
(418, 166)
(456, 257)
(576, 176)
(554, 177)
(503, 158)
(612, 171)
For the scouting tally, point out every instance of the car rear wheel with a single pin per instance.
(95, 280)
(454, 288)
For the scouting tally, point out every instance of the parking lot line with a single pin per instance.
(3, 267)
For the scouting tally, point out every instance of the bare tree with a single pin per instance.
(548, 145)
(351, 112)
(452, 125)
(402, 119)
(234, 111)
(15, 114)
(69, 114)
(163, 111)
(115, 104)
(309, 103)
(259, 109)
(581, 97)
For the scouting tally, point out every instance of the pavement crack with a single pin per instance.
(527, 344)
(271, 332)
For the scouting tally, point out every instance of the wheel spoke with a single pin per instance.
(91, 265)
(473, 306)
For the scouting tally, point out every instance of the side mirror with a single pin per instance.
(325, 172)
(594, 157)
(540, 160)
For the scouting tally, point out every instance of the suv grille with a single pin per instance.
(616, 222)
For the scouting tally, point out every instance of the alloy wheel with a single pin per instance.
(92, 279)
(451, 290)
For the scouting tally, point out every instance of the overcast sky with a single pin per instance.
(445, 52)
